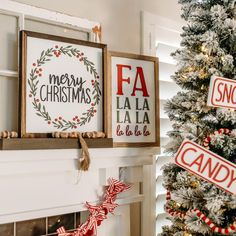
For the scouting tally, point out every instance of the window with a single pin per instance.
(160, 37)
(15, 17)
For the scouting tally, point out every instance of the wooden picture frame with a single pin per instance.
(62, 83)
(133, 100)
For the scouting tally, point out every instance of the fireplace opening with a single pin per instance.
(46, 226)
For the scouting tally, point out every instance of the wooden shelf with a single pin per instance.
(51, 143)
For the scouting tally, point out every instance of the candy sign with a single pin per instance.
(222, 93)
(134, 101)
(207, 165)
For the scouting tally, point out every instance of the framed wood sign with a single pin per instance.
(61, 85)
(134, 100)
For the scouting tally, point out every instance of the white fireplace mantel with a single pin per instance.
(39, 183)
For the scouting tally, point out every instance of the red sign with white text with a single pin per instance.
(207, 165)
(222, 93)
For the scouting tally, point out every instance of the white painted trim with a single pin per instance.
(39, 13)
(147, 36)
(148, 217)
(44, 15)
(14, 163)
(8, 73)
(34, 214)
(149, 28)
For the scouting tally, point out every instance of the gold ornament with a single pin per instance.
(176, 205)
(187, 234)
(204, 49)
(194, 119)
(194, 184)
(202, 74)
(184, 78)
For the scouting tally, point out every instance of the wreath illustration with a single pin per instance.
(37, 72)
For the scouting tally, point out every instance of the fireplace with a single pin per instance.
(43, 226)
(42, 190)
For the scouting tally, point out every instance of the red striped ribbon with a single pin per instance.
(98, 213)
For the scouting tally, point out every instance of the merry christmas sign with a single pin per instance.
(207, 165)
(61, 84)
(134, 100)
(222, 93)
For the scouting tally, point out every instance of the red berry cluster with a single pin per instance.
(80, 56)
(38, 71)
(76, 118)
(57, 53)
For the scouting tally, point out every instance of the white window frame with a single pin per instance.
(150, 26)
(26, 12)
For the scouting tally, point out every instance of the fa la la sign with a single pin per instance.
(207, 165)
(222, 93)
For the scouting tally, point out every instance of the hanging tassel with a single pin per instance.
(85, 157)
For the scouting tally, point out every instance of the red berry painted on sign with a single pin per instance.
(97, 77)
(55, 53)
(37, 71)
(82, 54)
(60, 118)
(56, 46)
(56, 119)
(40, 69)
(92, 104)
(76, 117)
(75, 127)
(95, 111)
(30, 95)
(37, 100)
(40, 75)
(49, 122)
(34, 64)
(78, 120)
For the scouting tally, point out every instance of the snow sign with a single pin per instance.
(222, 93)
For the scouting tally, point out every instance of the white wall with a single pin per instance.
(120, 19)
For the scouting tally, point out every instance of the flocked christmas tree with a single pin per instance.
(208, 48)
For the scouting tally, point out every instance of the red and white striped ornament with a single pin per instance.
(203, 217)
(207, 140)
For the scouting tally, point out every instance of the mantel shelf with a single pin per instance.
(52, 143)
